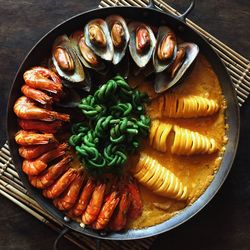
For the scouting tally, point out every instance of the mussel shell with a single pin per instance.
(79, 76)
(74, 39)
(159, 65)
(123, 68)
(163, 80)
(118, 52)
(106, 53)
(140, 59)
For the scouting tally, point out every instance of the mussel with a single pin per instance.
(88, 58)
(179, 59)
(142, 43)
(67, 63)
(97, 38)
(165, 50)
(187, 52)
(119, 35)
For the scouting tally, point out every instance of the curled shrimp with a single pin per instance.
(119, 220)
(107, 211)
(36, 95)
(68, 199)
(83, 201)
(135, 209)
(25, 108)
(51, 174)
(54, 190)
(28, 138)
(42, 126)
(44, 79)
(31, 152)
(35, 167)
(95, 204)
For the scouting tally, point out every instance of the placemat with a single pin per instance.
(12, 188)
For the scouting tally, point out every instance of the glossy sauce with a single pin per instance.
(197, 171)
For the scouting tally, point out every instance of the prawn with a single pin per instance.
(50, 175)
(68, 199)
(107, 211)
(28, 138)
(36, 166)
(119, 220)
(25, 108)
(83, 201)
(54, 190)
(42, 126)
(36, 95)
(95, 204)
(31, 152)
(135, 209)
(44, 79)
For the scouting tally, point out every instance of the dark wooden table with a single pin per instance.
(224, 223)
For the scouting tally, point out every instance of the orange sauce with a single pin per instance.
(197, 171)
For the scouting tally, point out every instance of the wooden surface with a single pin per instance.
(224, 223)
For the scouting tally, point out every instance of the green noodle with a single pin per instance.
(117, 123)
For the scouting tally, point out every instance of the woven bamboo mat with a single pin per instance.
(12, 188)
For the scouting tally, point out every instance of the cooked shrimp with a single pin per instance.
(95, 204)
(31, 152)
(68, 199)
(135, 209)
(42, 78)
(36, 95)
(60, 185)
(25, 108)
(28, 138)
(50, 175)
(42, 126)
(119, 220)
(36, 166)
(83, 201)
(107, 211)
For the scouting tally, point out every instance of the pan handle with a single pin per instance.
(151, 4)
(183, 16)
(59, 237)
(98, 244)
(66, 230)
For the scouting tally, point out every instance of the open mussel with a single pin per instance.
(68, 65)
(142, 43)
(119, 35)
(97, 38)
(88, 58)
(186, 54)
(165, 50)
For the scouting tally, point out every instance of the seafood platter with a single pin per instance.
(122, 126)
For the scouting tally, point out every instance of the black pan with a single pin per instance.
(154, 16)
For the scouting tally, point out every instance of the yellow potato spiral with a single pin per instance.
(173, 106)
(180, 141)
(159, 179)
(187, 142)
(158, 135)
